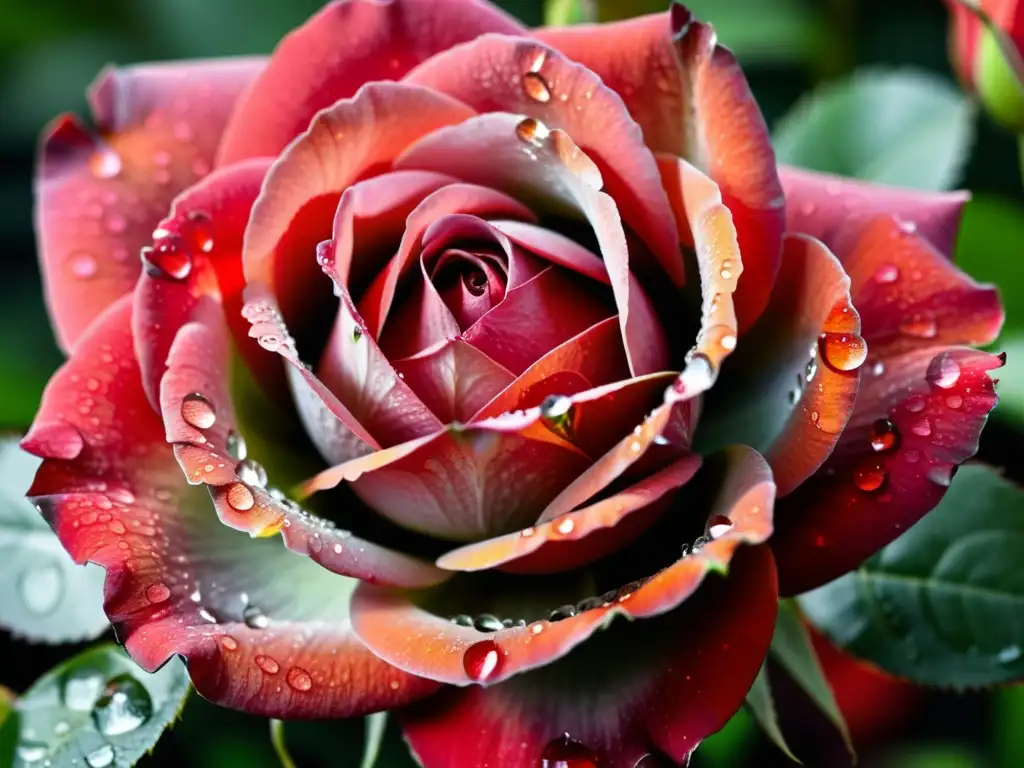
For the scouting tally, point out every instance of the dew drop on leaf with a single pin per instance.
(124, 706)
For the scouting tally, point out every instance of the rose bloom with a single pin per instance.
(506, 347)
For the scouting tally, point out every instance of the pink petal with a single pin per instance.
(99, 195)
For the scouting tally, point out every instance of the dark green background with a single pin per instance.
(51, 49)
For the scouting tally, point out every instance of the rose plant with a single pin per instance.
(532, 378)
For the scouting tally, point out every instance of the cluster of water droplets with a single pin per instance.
(268, 328)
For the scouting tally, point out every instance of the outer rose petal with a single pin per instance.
(701, 109)
(347, 44)
(197, 364)
(669, 689)
(833, 208)
(500, 74)
(790, 388)
(735, 489)
(175, 576)
(98, 196)
(550, 170)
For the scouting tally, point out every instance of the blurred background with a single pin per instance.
(791, 49)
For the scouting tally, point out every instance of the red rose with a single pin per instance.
(534, 241)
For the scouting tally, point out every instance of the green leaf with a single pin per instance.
(44, 595)
(944, 603)
(560, 13)
(791, 648)
(731, 745)
(97, 710)
(762, 707)
(904, 127)
(8, 727)
(376, 724)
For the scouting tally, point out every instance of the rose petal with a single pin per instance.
(910, 296)
(178, 582)
(691, 99)
(934, 403)
(207, 221)
(672, 688)
(554, 247)
(296, 208)
(545, 166)
(582, 536)
(790, 388)
(735, 488)
(830, 207)
(310, 70)
(495, 73)
(197, 366)
(466, 482)
(99, 195)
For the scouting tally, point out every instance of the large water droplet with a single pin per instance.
(532, 131)
(462, 620)
(157, 593)
(558, 414)
(943, 371)
(168, 258)
(100, 757)
(32, 752)
(884, 435)
(299, 679)
(482, 660)
(267, 664)
(487, 622)
(81, 689)
(718, 525)
(566, 752)
(869, 476)
(197, 411)
(920, 325)
(562, 613)
(240, 497)
(124, 706)
(251, 472)
(1009, 654)
(842, 351)
(236, 446)
(536, 87)
(255, 618)
(41, 588)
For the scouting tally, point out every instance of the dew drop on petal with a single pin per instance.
(536, 87)
(566, 752)
(888, 273)
(82, 265)
(718, 525)
(254, 618)
(914, 404)
(236, 446)
(921, 428)
(565, 526)
(943, 371)
(482, 661)
(919, 325)
(532, 131)
(157, 593)
(105, 163)
(955, 402)
(200, 232)
(228, 643)
(267, 664)
(251, 472)
(487, 622)
(240, 497)
(168, 258)
(884, 435)
(299, 679)
(869, 476)
(197, 411)
(843, 351)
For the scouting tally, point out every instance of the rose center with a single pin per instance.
(469, 283)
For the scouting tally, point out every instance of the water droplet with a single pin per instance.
(728, 342)
(81, 689)
(527, 532)
(589, 604)
(41, 588)
(357, 334)
(558, 414)
(914, 404)
(83, 265)
(566, 752)
(920, 325)
(869, 476)
(197, 411)
(299, 679)
(561, 613)
(921, 428)
(532, 131)
(487, 622)
(105, 163)
(267, 664)
(240, 497)
(462, 620)
(536, 87)
(200, 232)
(565, 526)
(842, 351)
(888, 273)
(236, 446)
(718, 525)
(943, 371)
(157, 593)
(100, 757)
(955, 402)
(124, 706)
(906, 226)
(1009, 654)
(811, 369)
(168, 258)
(482, 660)
(31, 752)
(228, 643)
(877, 368)
(251, 472)
(254, 618)
(884, 435)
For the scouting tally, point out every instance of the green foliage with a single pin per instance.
(944, 603)
(376, 724)
(901, 127)
(44, 595)
(98, 710)
(762, 706)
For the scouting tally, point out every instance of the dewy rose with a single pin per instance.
(488, 337)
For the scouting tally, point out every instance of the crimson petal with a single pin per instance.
(310, 70)
(175, 581)
(99, 195)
